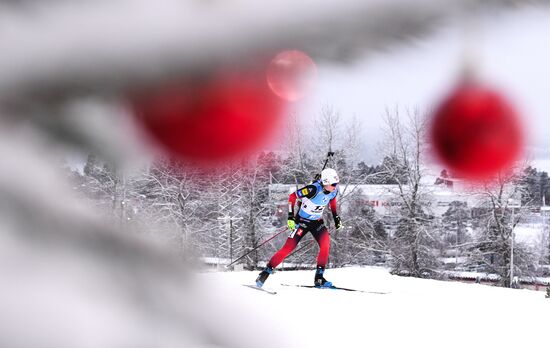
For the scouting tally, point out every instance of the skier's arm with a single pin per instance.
(337, 221)
(291, 202)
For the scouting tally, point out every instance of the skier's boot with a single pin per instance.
(320, 281)
(262, 277)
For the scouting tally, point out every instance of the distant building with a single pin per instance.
(444, 179)
(440, 193)
(383, 197)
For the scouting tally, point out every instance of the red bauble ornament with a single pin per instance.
(211, 117)
(476, 132)
(291, 75)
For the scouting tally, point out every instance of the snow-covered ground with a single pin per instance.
(415, 313)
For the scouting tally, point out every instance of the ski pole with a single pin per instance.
(255, 248)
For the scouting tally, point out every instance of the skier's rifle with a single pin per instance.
(329, 155)
(257, 247)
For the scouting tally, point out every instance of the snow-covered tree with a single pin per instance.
(412, 245)
(365, 236)
(454, 227)
(171, 203)
(297, 165)
(497, 216)
(258, 210)
(101, 182)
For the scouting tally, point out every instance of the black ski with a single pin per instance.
(337, 288)
(261, 289)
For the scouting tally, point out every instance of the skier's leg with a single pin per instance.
(322, 237)
(291, 242)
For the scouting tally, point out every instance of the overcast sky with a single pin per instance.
(513, 51)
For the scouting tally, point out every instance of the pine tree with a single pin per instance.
(455, 220)
(530, 181)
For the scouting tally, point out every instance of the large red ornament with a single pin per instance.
(476, 132)
(291, 75)
(211, 117)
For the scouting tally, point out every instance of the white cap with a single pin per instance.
(329, 177)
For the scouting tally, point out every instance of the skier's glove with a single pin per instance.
(338, 222)
(291, 223)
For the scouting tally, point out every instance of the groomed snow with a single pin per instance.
(416, 312)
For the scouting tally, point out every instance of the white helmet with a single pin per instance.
(329, 177)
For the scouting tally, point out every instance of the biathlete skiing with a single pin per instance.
(309, 218)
